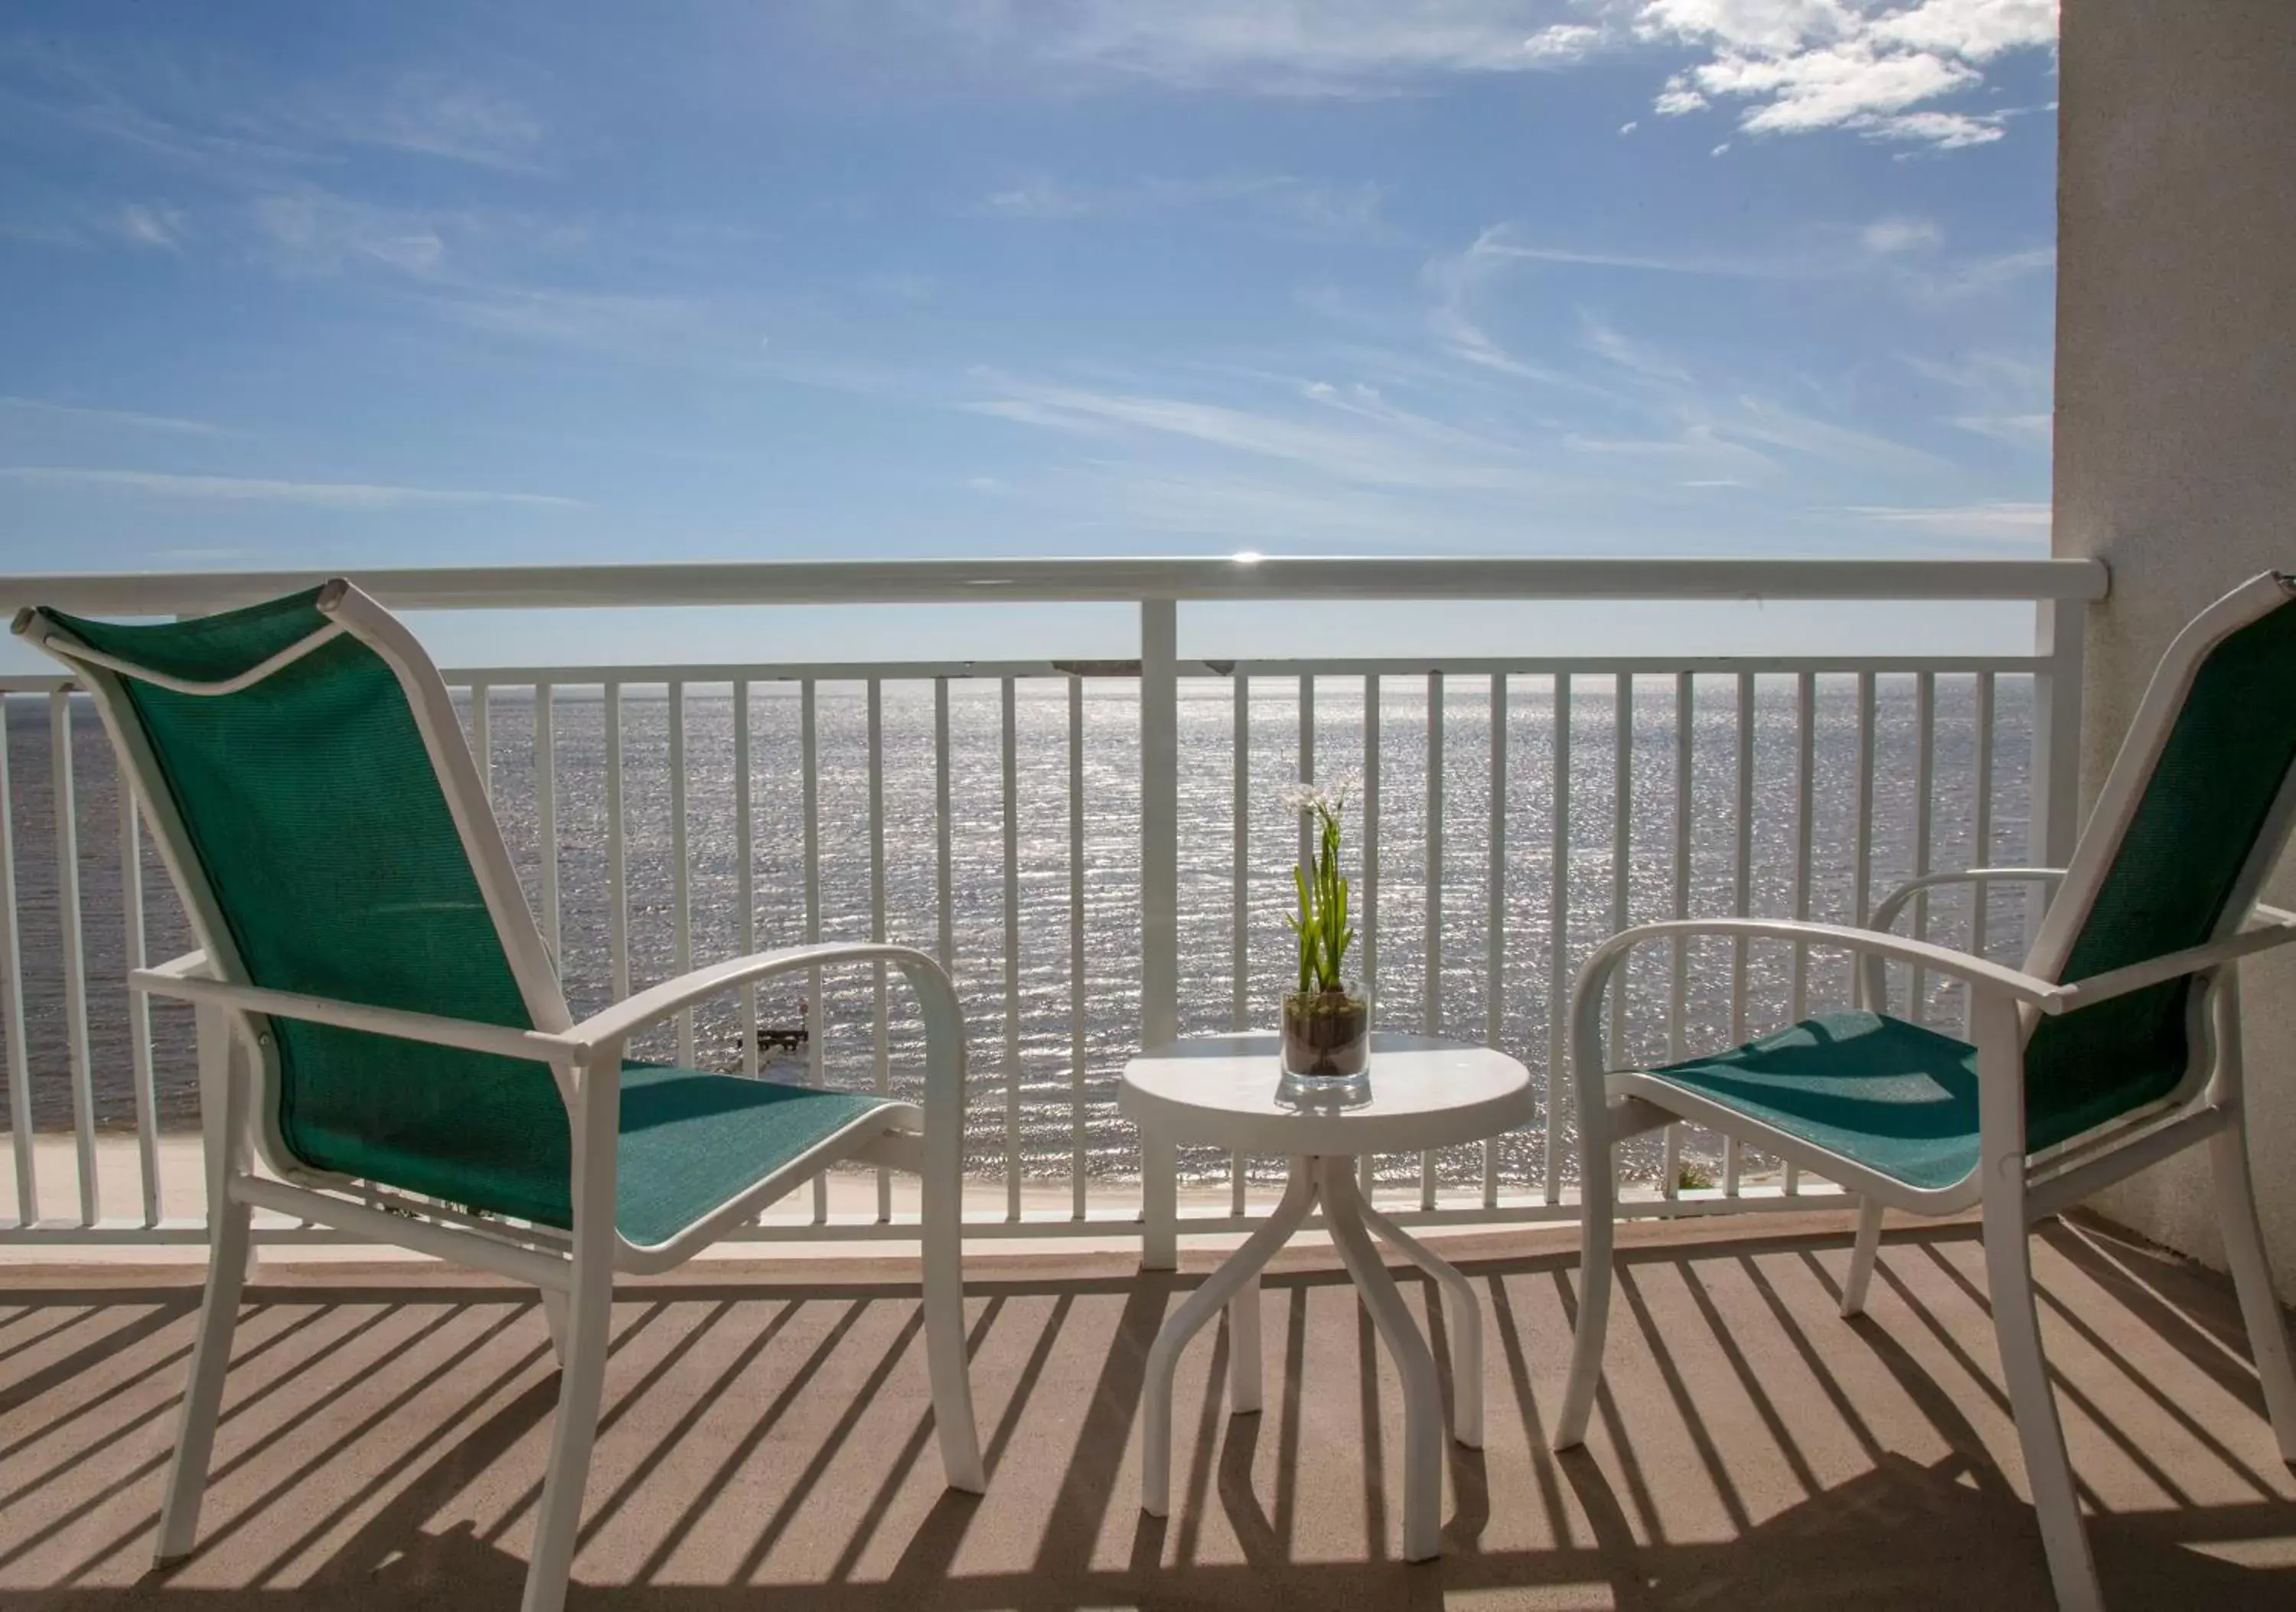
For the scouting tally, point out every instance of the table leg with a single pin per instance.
(1423, 1394)
(1466, 1319)
(1159, 1202)
(1242, 1270)
(1243, 1348)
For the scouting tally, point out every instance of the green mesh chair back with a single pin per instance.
(2185, 856)
(310, 806)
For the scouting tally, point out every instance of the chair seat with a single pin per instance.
(690, 1141)
(1894, 1097)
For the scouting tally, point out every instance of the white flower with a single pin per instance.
(1329, 799)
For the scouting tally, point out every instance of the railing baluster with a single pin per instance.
(1862, 850)
(482, 750)
(1432, 1016)
(945, 938)
(545, 815)
(1677, 989)
(681, 880)
(1366, 1168)
(1078, 1155)
(71, 942)
(883, 1049)
(1495, 915)
(11, 997)
(1558, 940)
(137, 1006)
(1805, 840)
(1740, 897)
(1980, 849)
(745, 875)
(1010, 755)
(1622, 830)
(1924, 770)
(1306, 774)
(816, 1015)
(617, 864)
(1239, 1012)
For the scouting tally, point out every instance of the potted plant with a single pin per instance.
(1326, 1026)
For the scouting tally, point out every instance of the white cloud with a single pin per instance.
(1871, 66)
(324, 495)
(1563, 42)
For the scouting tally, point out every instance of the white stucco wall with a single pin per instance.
(2175, 434)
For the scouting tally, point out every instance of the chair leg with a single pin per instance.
(945, 1357)
(2267, 1328)
(1862, 1255)
(2017, 1328)
(553, 1316)
(224, 1151)
(581, 1380)
(1597, 1192)
(187, 1475)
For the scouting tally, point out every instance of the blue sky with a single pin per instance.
(419, 284)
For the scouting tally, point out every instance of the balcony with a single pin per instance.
(765, 1439)
(1095, 849)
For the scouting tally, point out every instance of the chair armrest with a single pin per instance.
(2279, 930)
(1980, 973)
(651, 1006)
(173, 979)
(1886, 915)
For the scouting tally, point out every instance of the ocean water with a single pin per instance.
(1022, 1009)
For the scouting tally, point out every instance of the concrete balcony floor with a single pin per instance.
(766, 1443)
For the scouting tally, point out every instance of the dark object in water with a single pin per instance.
(778, 1038)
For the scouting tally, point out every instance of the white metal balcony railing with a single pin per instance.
(1099, 852)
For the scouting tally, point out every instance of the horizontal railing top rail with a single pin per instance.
(1081, 581)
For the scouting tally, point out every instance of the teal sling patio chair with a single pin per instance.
(2116, 1045)
(381, 1025)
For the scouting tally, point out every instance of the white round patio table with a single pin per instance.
(1424, 1092)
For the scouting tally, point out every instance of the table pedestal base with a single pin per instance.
(1332, 1182)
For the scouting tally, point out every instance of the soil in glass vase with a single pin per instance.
(1326, 1034)
(1326, 1026)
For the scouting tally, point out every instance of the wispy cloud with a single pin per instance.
(2010, 524)
(141, 225)
(2003, 396)
(1286, 202)
(127, 418)
(1285, 47)
(1388, 448)
(431, 114)
(324, 495)
(1877, 68)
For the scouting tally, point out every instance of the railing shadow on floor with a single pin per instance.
(1736, 1402)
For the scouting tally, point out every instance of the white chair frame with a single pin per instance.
(574, 1272)
(2016, 1188)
